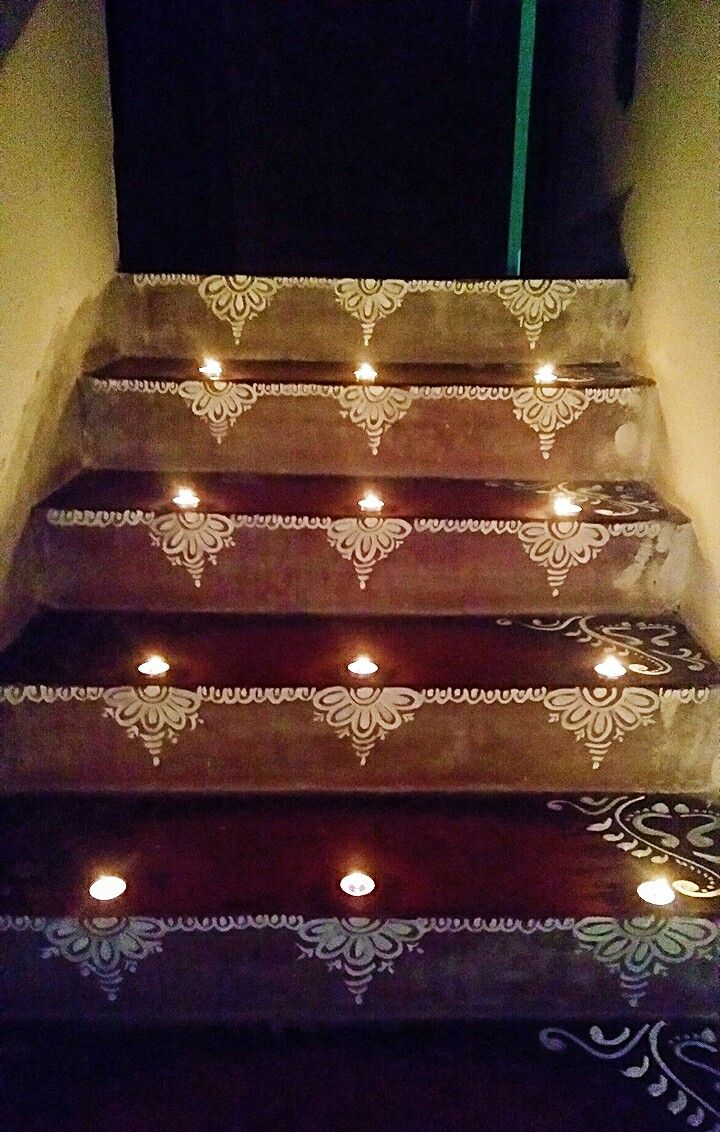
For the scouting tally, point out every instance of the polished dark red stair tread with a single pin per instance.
(85, 648)
(337, 496)
(161, 369)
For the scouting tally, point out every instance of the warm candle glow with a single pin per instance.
(107, 887)
(370, 502)
(545, 376)
(362, 666)
(611, 668)
(563, 505)
(154, 666)
(186, 498)
(365, 372)
(357, 884)
(657, 891)
(211, 369)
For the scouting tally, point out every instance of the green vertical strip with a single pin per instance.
(522, 129)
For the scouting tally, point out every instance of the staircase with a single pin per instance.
(506, 797)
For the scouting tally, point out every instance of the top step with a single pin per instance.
(499, 320)
(461, 421)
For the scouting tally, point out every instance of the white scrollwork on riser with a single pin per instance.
(374, 409)
(191, 538)
(236, 299)
(109, 947)
(155, 714)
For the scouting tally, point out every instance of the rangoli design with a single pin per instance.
(237, 298)
(192, 539)
(656, 831)
(680, 1069)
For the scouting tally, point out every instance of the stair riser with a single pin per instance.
(387, 566)
(327, 740)
(562, 321)
(423, 435)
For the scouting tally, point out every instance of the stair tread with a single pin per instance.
(337, 496)
(250, 371)
(227, 650)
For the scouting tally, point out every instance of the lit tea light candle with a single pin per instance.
(357, 884)
(365, 372)
(362, 666)
(186, 498)
(371, 502)
(563, 505)
(154, 666)
(107, 887)
(656, 891)
(611, 668)
(545, 375)
(211, 369)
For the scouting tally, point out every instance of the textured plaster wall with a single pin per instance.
(57, 242)
(672, 240)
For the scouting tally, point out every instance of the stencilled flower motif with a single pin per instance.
(547, 409)
(369, 300)
(559, 546)
(188, 538)
(601, 716)
(533, 302)
(374, 408)
(365, 715)
(105, 947)
(644, 946)
(367, 541)
(220, 403)
(360, 947)
(154, 714)
(237, 298)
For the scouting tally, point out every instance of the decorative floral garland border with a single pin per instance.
(236, 299)
(647, 830)
(192, 538)
(637, 949)
(374, 409)
(664, 1057)
(598, 717)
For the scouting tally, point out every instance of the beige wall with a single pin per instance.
(671, 236)
(57, 238)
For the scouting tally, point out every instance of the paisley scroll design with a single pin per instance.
(105, 947)
(154, 714)
(365, 715)
(366, 541)
(658, 832)
(643, 947)
(677, 1067)
(647, 646)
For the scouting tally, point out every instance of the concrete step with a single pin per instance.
(304, 418)
(116, 540)
(268, 704)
